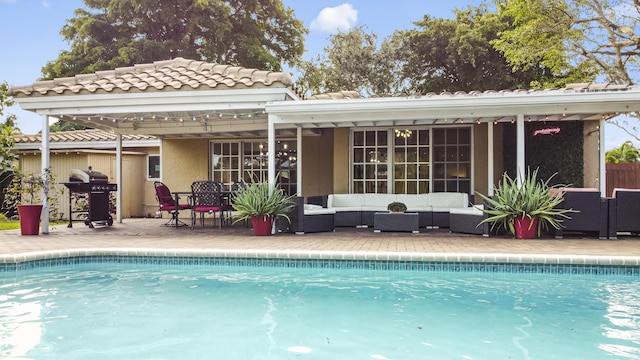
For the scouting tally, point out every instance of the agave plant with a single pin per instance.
(261, 198)
(532, 198)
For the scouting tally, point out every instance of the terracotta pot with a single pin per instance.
(262, 225)
(526, 227)
(29, 219)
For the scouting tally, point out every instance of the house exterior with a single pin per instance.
(81, 149)
(231, 123)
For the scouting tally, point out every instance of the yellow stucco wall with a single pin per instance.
(591, 133)
(481, 160)
(62, 163)
(341, 161)
(317, 164)
(184, 161)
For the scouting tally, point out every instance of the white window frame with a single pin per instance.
(149, 156)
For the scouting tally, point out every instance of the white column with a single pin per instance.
(119, 178)
(299, 161)
(520, 145)
(271, 148)
(44, 156)
(602, 162)
(490, 160)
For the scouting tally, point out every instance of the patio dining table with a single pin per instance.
(225, 196)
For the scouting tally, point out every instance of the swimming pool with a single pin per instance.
(240, 309)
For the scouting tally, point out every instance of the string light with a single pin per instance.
(403, 133)
(142, 117)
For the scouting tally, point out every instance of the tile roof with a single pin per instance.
(336, 96)
(89, 135)
(176, 74)
(573, 87)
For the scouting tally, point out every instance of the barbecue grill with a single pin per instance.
(93, 186)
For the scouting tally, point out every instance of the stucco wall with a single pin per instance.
(184, 161)
(591, 154)
(318, 164)
(62, 163)
(341, 161)
(481, 160)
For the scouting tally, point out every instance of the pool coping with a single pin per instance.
(444, 257)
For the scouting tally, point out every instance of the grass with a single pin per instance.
(7, 224)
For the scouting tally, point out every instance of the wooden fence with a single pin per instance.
(623, 175)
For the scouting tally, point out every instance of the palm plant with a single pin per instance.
(532, 198)
(262, 198)
(627, 152)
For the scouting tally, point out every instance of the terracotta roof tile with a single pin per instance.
(173, 74)
(79, 135)
(337, 95)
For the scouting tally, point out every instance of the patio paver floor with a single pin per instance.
(148, 233)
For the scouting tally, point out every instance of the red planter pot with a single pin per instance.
(29, 219)
(262, 225)
(526, 227)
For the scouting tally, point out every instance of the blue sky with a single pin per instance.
(32, 35)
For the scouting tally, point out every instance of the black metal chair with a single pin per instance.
(206, 198)
(167, 202)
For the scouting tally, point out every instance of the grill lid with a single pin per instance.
(87, 176)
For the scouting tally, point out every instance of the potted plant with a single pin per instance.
(25, 193)
(397, 207)
(262, 203)
(527, 208)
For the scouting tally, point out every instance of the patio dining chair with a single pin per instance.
(167, 202)
(206, 198)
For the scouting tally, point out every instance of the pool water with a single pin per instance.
(126, 311)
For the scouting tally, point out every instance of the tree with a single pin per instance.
(458, 55)
(354, 62)
(115, 33)
(626, 153)
(591, 36)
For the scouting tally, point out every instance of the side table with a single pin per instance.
(396, 222)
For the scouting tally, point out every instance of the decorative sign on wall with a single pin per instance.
(547, 131)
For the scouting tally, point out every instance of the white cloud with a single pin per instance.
(45, 4)
(332, 19)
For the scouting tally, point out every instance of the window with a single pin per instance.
(225, 162)
(248, 161)
(411, 161)
(422, 160)
(370, 161)
(452, 160)
(153, 167)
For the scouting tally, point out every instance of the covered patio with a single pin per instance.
(196, 102)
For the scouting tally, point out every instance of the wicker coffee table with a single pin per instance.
(396, 222)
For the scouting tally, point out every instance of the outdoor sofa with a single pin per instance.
(624, 212)
(591, 215)
(358, 209)
(467, 221)
(310, 218)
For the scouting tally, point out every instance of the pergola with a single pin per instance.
(192, 99)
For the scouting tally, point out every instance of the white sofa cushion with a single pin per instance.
(471, 210)
(443, 201)
(414, 200)
(345, 200)
(378, 201)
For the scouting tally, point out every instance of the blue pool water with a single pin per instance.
(127, 311)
